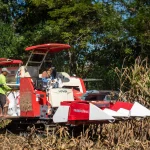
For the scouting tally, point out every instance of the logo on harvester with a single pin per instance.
(81, 111)
(62, 91)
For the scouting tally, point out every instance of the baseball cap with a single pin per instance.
(5, 70)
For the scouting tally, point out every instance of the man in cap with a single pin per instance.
(3, 90)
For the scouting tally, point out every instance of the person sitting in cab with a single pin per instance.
(50, 75)
(47, 73)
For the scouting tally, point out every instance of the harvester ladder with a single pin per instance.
(30, 61)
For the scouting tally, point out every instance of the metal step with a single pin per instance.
(34, 62)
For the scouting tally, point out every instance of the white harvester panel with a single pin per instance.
(14, 108)
(59, 95)
(98, 114)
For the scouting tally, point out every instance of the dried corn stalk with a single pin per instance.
(135, 81)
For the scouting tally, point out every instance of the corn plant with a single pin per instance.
(135, 81)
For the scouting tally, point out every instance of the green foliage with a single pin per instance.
(4, 123)
(79, 24)
(9, 42)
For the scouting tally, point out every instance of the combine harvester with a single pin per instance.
(66, 104)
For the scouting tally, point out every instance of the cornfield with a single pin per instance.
(135, 81)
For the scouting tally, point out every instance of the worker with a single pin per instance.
(50, 75)
(3, 90)
(47, 73)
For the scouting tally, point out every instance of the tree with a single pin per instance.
(70, 22)
(9, 40)
(101, 33)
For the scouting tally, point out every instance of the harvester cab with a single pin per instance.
(39, 98)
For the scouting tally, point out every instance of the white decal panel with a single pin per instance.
(56, 96)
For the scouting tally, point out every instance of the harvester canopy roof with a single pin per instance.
(5, 61)
(51, 47)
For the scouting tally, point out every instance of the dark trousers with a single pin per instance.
(2, 100)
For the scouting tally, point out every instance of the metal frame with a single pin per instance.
(32, 53)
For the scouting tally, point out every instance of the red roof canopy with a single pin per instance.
(5, 61)
(51, 47)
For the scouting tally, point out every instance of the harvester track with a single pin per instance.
(25, 127)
